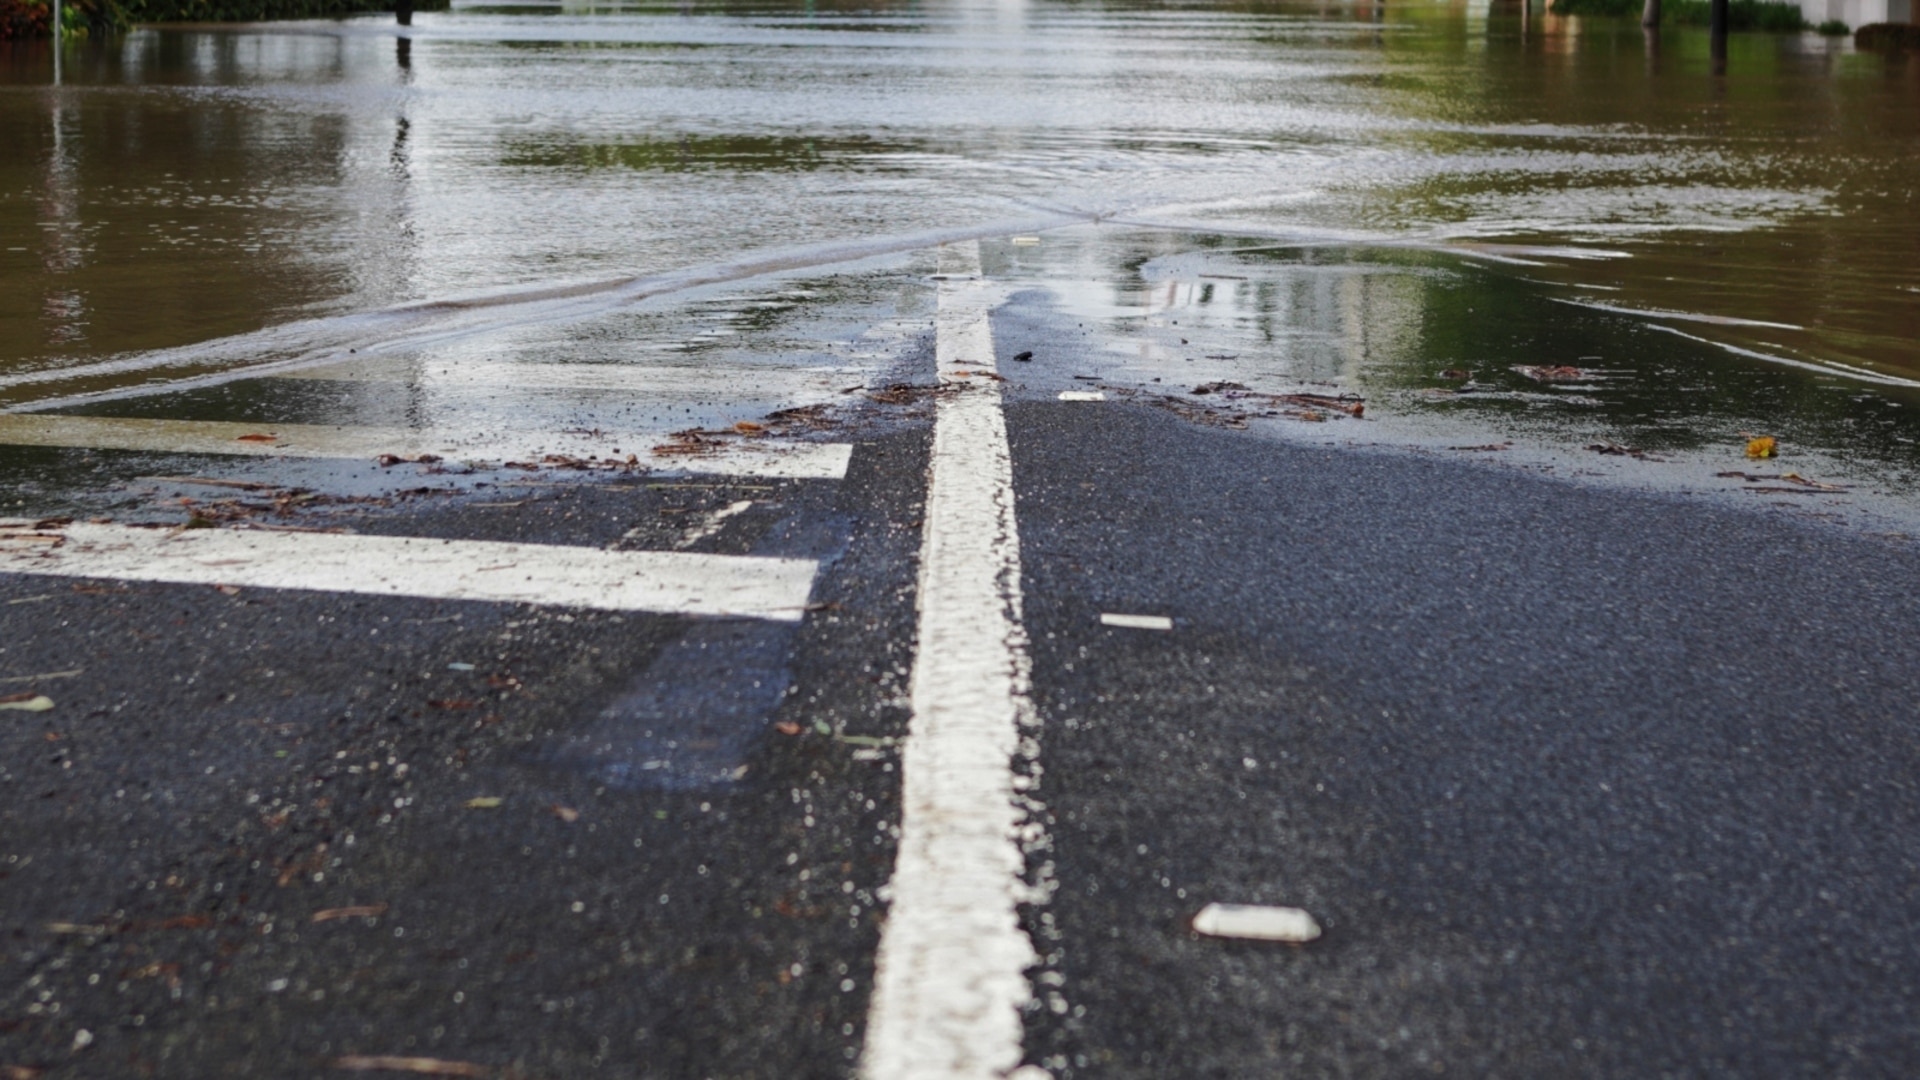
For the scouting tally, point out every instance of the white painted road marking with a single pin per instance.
(1256, 922)
(668, 582)
(652, 380)
(1136, 622)
(1082, 395)
(951, 978)
(800, 461)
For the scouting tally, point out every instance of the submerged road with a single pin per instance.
(1578, 781)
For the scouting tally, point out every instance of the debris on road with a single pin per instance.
(43, 675)
(28, 702)
(423, 1065)
(1805, 486)
(565, 813)
(357, 911)
(1485, 446)
(258, 438)
(1024, 355)
(1457, 374)
(1256, 922)
(1762, 446)
(485, 802)
(1136, 622)
(1614, 449)
(1082, 395)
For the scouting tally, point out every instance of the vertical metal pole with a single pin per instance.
(1717, 29)
(56, 42)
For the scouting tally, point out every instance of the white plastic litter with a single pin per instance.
(1136, 622)
(1082, 395)
(1256, 922)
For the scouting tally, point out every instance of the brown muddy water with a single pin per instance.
(1375, 198)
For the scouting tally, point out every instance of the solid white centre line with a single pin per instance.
(950, 979)
(668, 582)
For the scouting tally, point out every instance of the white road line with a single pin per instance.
(711, 523)
(803, 461)
(1136, 622)
(950, 979)
(670, 582)
(655, 380)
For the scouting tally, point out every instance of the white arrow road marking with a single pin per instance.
(668, 582)
(951, 972)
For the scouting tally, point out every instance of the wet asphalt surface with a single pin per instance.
(1579, 782)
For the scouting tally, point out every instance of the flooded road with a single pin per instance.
(1363, 196)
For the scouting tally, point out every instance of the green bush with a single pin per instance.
(1596, 7)
(1741, 15)
(1888, 36)
(78, 18)
(146, 11)
(1833, 28)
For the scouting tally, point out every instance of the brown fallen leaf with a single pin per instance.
(20, 1072)
(425, 1065)
(258, 438)
(748, 427)
(358, 911)
(787, 727)
(1456, 374)
(565, 813)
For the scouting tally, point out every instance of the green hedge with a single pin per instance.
(20, 19)
(1888, 36)
(1741, 14)
(81, 18)
(153, 11)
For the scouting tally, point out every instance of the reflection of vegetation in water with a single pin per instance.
(692, 153)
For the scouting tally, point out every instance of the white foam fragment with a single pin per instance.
(1082, 395)
(1256, 922)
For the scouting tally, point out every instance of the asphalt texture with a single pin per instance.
(1579, 781)
(263, 834)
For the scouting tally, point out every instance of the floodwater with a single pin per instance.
(731, 205)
